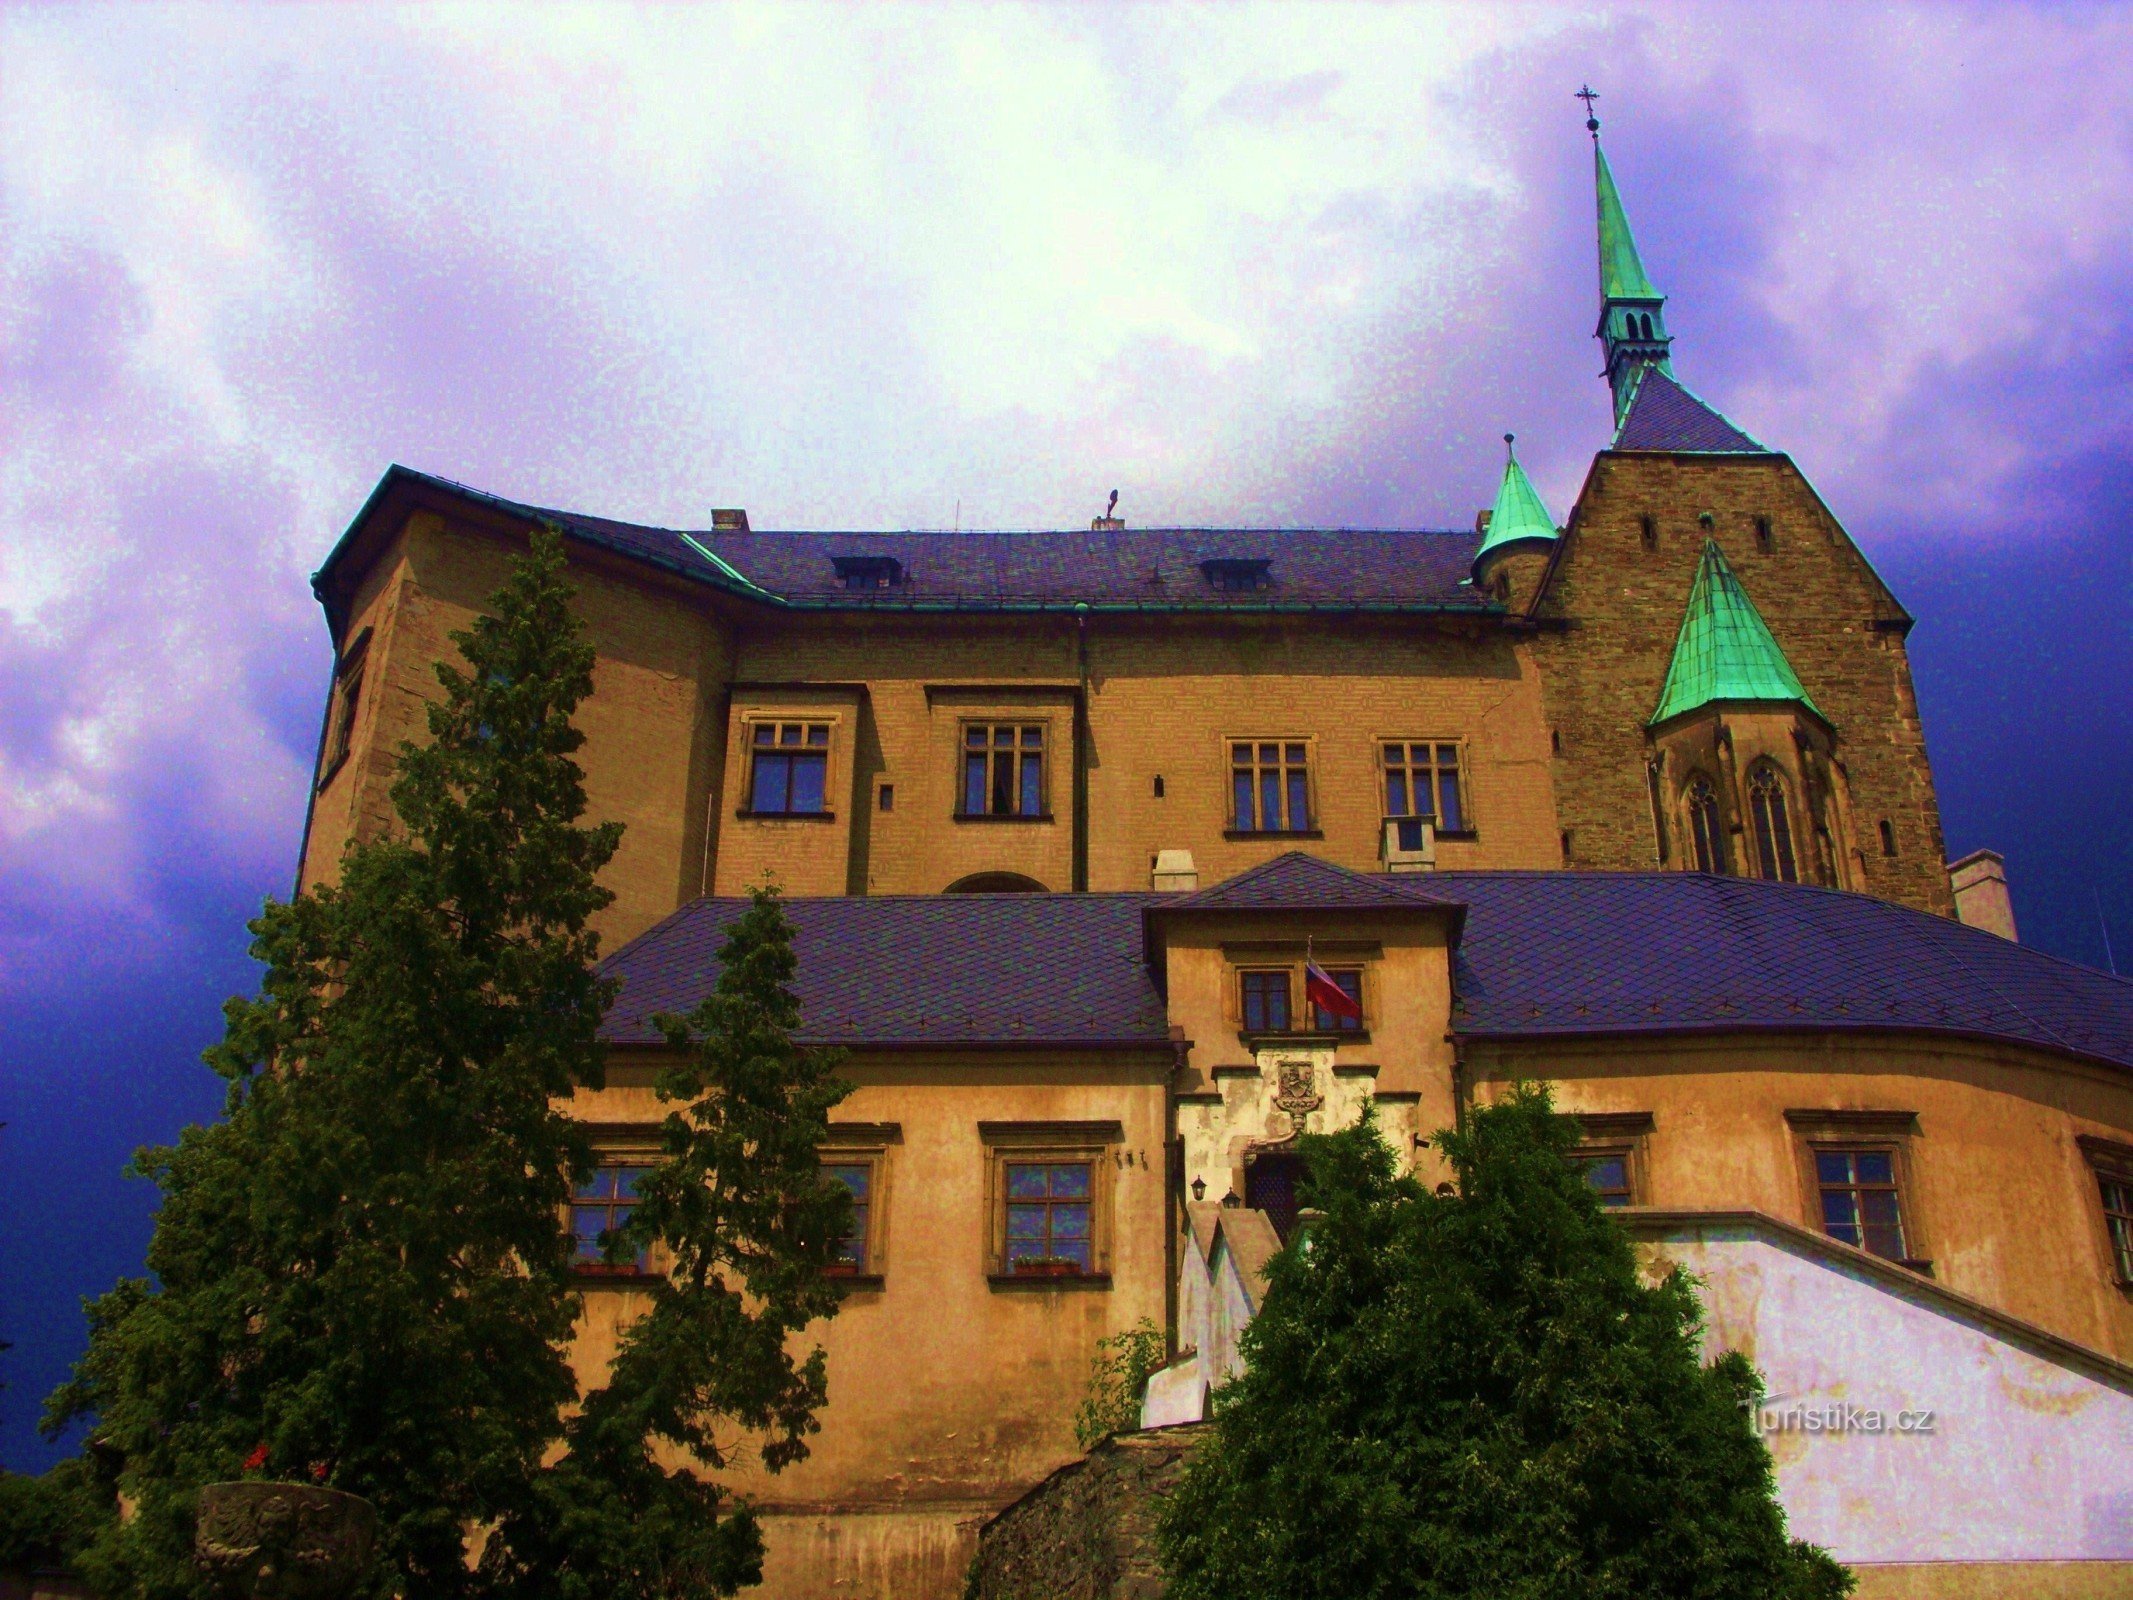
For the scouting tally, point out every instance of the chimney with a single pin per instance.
(1173, 870)
(733, 521)
(1110, 521)
(1980, 884)
(1481, 518)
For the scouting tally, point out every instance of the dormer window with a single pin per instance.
(868, 572)
(1236, 576)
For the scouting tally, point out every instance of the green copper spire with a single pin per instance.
(1724, 650)
(1519, 515)
(1632, 326)
(1621, 269)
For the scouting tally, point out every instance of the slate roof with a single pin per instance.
(1132, 569)
(1294, 881)
(1657, 952)
(1663, 415)
(954, 969)
(1724, 650)
(1542, 954)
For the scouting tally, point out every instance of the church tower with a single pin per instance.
(1632, 330)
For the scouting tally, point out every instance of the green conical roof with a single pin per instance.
(1724, 650)
(1621, 271)
(1519, 513)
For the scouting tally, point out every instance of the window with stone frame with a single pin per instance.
(2112, 1164)
(856, 1154)
(789, 774)
(601, 1204)
(1003, 770)
(1270, 786)
(1707, 832)
(1769, 817)
(1050, 1185)
(1610, 1154)
(1423, 780)
(1263, 999)
(1856, 1167)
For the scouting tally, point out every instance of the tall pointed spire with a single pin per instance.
(1632, 326)
(1519, 515)
(1725, 650)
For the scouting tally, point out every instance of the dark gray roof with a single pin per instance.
(1663, 415)
(1643, 952)
(1543, 954)
(953, 969)
(1155, 569)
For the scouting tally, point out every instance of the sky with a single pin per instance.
(969, 266)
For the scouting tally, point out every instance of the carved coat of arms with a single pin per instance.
(1296, 1087)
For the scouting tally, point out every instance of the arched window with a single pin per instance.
(1644, 327)
(1707, 837)
(1773, 828)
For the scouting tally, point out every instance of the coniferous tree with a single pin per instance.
(1474, 1394)
(744, 1225)
(361, 1274)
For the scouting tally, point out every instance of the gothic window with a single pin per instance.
(1773, 828)
(1422, 780)
(1003, 770)
(791, 774)
(1270, 787)
(1707, 837)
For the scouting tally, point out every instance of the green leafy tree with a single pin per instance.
(745, 1224)
(47, 1521)
(1118, 1382)
(361, 1275)
(1475, 1394)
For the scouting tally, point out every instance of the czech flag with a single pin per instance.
(1328, 996)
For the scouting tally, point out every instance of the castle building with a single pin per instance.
(1638, 804)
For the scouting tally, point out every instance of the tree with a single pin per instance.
(1474, 1394)
(1118, 1382)
(747, 1224)
(361, 1274)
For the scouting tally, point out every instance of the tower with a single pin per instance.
(1518, 526)
(1632, 330)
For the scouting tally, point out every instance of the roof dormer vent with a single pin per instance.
(868, 572)
(1236, 575)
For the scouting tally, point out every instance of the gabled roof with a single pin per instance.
(1663, 415)
(1294, 881)
(1724, 650)
(1519, 515)
(1122, 569)
(1622, 275)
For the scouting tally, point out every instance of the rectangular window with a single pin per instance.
(791, 775)
(853, 1258)
(1003, 769)
(1350, 982)
(1607, 1173)
(1270, 787)
(2118, 1220)
(1050, 1218)
(1265, 1001)
(1422, 780)
(602, 1204)
(1859, 1199)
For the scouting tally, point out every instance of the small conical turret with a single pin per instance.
(1519, 519)
(1632, 327)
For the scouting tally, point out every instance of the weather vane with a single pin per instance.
(1588, 94)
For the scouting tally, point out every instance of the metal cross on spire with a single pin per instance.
(1588, 94)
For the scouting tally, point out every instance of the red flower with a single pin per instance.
(257, 1459)
(318, 1472)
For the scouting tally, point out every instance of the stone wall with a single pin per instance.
(1088, 1531)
